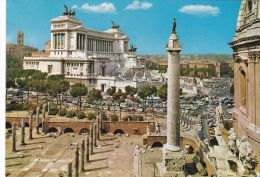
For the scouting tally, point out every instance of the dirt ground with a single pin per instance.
(47, 157)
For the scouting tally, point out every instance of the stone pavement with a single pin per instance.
(112, 158)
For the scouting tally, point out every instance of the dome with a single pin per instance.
(248, 12)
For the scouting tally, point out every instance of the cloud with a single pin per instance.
(74, 6)
(135, 5)
(105, 7)
(200, 10)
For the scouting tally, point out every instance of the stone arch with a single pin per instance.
(8, 125)
(68, 130)
(103, 131)
(52, 130)
(119, 131)
(26, 124)
(157, 144)
(83, 130)
(213, 142)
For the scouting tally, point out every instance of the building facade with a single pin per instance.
(246, 52)
(204, 69)
(99, 59)
(19, 50)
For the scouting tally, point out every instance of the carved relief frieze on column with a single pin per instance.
(252, 57)
(235, 56)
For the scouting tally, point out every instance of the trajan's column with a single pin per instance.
(173, 158)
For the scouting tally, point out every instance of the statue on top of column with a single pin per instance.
(174, 26)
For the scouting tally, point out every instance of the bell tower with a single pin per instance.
(20, 38)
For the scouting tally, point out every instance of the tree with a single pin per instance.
(22, 85)
(56, 77)
(119, 98)
(147, 91)
(78, 90)
(64, 86)
(28, 87)
(162, 92)
(51, 88)
(95, 95)
(57, 86)
(38, 75)
(111, 91)
(130, 90)
(9, 83)
(39, 86)
(14, 67)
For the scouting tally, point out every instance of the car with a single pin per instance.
(75, 102)
(85, 104)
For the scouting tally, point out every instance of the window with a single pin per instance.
(49, 69)
(102, 87)
(243, 88)
(103, 69)
(250, 5)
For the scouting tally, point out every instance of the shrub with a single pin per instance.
(31, 106)
(14, 106)
(62, 112)
(125, 118)
(10, 107)
(133, 118)
(70, 114)
(138, 118)
(91, 116)
(53, 110)
(114, 117)
(104, 116)
(81, 115)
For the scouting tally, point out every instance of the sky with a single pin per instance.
(203, 26)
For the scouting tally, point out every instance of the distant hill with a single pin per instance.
(192, 57)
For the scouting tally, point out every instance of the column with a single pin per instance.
(58, 41)
(55, 41)
(173, 157)
(80, 41)
(37, 120)
(98, 127)
(251, 96)
(43, 111)
(30, 126)
(84, 41)
(49, 104)
(22, 132)
(14, 137)
(173, 102)
(87, 147)
(70, 169)
(76, 166)
(82, 155)
(95, 136)
(91, 140)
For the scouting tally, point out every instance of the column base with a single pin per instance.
(173, 163)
